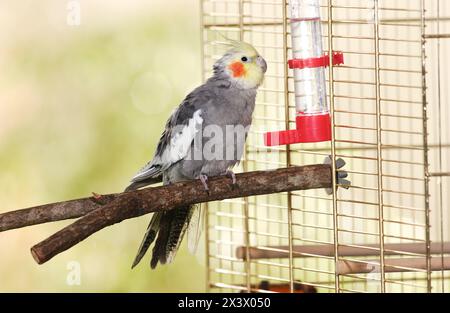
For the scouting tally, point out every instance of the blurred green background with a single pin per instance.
(81, 110)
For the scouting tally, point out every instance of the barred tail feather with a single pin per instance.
(149, 237)
(172, 227)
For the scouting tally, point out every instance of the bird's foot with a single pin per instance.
(231, 174)
(204, 179)
(340, 174)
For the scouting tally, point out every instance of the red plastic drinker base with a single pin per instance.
(310, 128)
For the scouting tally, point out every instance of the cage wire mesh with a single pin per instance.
(387, 232)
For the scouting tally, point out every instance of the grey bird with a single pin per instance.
(190, 147)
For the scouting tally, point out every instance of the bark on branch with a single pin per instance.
(111, 209)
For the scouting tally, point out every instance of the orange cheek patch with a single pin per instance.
(237, 68)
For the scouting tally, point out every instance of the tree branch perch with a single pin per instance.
(52, 212)
(115, 208)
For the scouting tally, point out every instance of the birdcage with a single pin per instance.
(387, 233)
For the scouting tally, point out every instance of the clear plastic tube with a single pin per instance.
(306, 34)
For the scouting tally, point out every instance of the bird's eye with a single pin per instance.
(244, 59)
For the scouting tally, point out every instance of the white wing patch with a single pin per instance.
(177, 149)
(181, 141)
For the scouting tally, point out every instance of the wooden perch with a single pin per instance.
(406, 264)
(327, 250)
(52, 212)
(118, 207)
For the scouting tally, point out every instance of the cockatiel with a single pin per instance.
(226, 99)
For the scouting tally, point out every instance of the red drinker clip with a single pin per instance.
(323, 61)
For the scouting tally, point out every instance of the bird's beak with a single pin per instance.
(262, 63)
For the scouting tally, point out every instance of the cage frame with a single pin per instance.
(241, 27)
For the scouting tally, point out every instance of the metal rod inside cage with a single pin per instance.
(393, 265)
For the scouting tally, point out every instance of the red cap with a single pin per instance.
(310, 128)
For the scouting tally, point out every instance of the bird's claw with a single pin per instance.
(231, 174)
(340, 174)
(204, 179)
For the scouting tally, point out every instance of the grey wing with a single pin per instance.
(176, 140)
